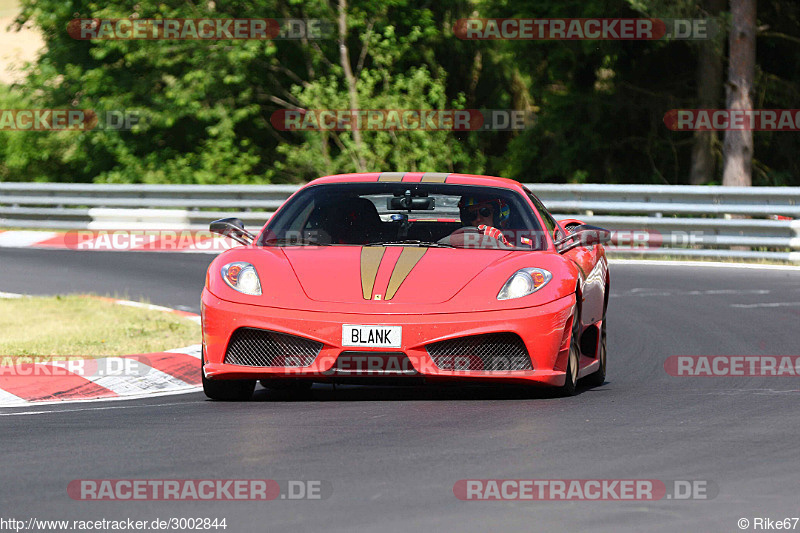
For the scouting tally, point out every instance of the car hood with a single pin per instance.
(400, 274)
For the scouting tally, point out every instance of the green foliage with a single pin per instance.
(31, 155)
(379, 86)
(206, 105)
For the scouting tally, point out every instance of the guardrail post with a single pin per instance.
(794, 243)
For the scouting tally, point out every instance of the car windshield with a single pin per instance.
(406, 214)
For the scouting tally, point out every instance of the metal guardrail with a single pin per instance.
(727, 222)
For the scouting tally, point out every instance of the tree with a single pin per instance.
(380, 83)
(709, 91)
(738, 144)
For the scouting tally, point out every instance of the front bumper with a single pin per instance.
(544, 329)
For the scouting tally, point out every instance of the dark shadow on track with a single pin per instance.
(365, 393)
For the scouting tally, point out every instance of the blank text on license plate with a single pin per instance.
(372, 336)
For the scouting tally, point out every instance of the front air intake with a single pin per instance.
(492, 351)
(260, 347)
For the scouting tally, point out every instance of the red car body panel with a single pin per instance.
(543, 333)
(311, 291)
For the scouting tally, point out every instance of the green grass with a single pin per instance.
(77, 325)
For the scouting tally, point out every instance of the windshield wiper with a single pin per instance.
(411, 242)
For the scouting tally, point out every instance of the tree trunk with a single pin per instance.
(738, 145)
(709, 91)
(344, 57)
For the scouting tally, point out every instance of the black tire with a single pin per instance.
(573, 359)
(598, 378)
(287, 384)
(230, 390)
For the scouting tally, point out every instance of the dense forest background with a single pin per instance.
(206, 105)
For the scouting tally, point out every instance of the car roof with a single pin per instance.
(422, 177)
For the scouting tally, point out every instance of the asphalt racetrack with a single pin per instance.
(393, 455)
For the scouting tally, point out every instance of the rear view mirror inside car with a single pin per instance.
(411, 204)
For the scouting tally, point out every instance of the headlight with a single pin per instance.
(524, 282)
(242, 277)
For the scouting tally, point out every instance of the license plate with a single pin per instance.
(372, 336)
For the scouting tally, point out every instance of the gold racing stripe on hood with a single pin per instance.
(370, 262)
(408, 259)
(391, 176)
(434, 177)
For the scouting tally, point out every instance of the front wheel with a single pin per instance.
(598, 378)
(573, 360)
(227, 389)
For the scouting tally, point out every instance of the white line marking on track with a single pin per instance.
(92, 400)
(771, 304)
(15, 239)
(130, 303)
(749, 391)
(194, 350)
(647, 292)
(731, 291)
(11, 295)
(6, 398)
(142, 305)
(22, 413)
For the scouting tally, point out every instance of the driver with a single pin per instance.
(489, 215)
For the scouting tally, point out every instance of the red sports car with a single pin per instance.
(406, 277)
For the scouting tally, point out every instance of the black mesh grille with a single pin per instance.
(377, 363)
(493, 351)
(259, 347)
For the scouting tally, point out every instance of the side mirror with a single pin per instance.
(233, 228)
(584, 235)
